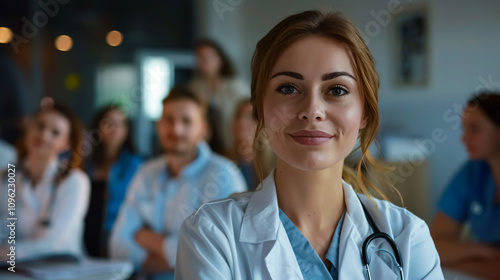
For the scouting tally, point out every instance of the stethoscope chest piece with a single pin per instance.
(476, 208)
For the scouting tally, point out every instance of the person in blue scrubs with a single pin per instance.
(170, 187)
(473, 196)
(110, 166)
(314, 93)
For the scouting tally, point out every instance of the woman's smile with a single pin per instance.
(311, 137)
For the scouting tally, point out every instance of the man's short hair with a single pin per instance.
(185, 93)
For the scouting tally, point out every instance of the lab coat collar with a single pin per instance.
(262, 213)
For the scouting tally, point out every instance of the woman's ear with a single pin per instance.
(363, 123)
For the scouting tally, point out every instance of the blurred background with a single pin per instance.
(431, 57)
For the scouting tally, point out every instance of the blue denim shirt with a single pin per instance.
(120, 175)
(311, 265)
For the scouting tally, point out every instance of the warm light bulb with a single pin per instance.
(64, 43)
(114, 38)
(5, 35)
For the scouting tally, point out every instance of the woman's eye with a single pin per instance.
(286, 89)
(338, 91)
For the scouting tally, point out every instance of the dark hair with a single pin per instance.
(73, 159)
(97, 154)
(226, 69)
(489, 103)
(185, 93)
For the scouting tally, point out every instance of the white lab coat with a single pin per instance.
(241, 237)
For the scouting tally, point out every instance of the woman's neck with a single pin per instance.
(313, 200)
(111, 153)
(213, 82)
(36, 167)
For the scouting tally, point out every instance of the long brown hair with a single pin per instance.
(74, 155)
(335, 26)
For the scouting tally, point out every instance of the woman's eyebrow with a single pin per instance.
(325, 77)
(290, 74)
(334, 75)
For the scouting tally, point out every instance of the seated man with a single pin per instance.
(168, 189)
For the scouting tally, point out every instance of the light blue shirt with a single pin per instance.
(311, 265)
(470, 198)
(161, 202)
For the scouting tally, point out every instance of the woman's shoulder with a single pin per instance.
(393, 219)
(223, 213)
(76, 179)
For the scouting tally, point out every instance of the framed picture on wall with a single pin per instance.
(411, 47)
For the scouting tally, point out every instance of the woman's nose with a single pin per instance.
(313, 107)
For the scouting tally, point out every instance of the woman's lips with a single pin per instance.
(311, 137)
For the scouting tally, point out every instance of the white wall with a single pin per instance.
(464, 44)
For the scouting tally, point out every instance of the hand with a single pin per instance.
(489, 252)
(145, 236)
(151, 241)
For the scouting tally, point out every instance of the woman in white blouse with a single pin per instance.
(51, 192)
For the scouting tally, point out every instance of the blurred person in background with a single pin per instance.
(13, 107)
(216, 82)
(111, 166)
(51, 191)
(171, 187)
(244, 128)
(8, 153)
(472, 198)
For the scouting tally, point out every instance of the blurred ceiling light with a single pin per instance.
(64, 43)
(72, 81)
(114, 38)
(5, 35)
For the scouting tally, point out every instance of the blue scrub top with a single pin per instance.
(311, 265)
(470, 198)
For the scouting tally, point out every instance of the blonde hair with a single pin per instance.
(335, 26)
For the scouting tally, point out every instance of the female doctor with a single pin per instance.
(314, 90)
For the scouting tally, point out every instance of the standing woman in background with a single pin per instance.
(216, 82)
(111, 166)
(473, 196)
(314, 91)
(242, 152)
(51, 191)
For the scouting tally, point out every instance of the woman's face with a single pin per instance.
(47, 135)
(114, 128)
(208, 61)
(313, 109)
(480, 135)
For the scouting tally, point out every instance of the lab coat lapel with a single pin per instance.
(261, 224)
(354, 232)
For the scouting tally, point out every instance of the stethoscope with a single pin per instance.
(378, 234)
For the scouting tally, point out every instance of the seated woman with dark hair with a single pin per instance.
(111, 166)
(473, 196)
